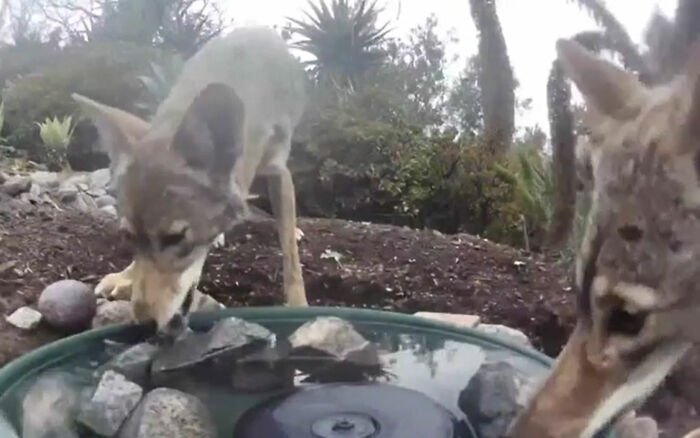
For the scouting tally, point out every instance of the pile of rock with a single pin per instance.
(71, 306)
(85, 191)
(159, 390)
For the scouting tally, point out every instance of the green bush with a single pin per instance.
(56, 135)
(107, 72)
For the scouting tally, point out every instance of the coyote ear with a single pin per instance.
(210, 135)
(607, 88)
(116, 129)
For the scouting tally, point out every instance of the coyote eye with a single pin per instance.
(172, 239)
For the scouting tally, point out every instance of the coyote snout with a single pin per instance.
(182, 180)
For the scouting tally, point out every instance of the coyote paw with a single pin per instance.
(220, 241)
(115, 286)
(296, 297)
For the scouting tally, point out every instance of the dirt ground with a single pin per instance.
(345, 264)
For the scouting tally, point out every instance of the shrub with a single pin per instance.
(106, 72)
(56, 136)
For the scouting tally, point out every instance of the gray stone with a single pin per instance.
(50, 407)
(24, 318)
(3, 177)
(105, 200)
(490, 400)
(85, 203)
(45, 179)
(112, 312)
(16, 185)
(111, 404)
(134, 363)
(99, 179)
(36, 190)
(637, 427)
(231, 336)
(334, 339)
(507, 333)
(67, 192)
(68, 305)
(110, 210)
(169, 413)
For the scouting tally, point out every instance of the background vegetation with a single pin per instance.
(386, 136)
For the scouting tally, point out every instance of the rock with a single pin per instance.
(111, 404)
(50, 407)
(113, 312)
(105, 200)
(36, 190)
(110, 210)
(16, 185)
(490, 399)
(169, 413)
(637, 427)
(460, 320)
(232, 337)
(85, 203)
(67, 193)
(332, 339)
(99, 179)
(47, 180)
(134, 363)
(24, 318)
(3, 177)
(68, 305)
(507, 333)
(204, 303)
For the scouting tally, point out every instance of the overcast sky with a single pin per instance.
(530, 26)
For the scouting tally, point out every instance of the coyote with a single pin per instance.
(182, 180)
(637, 273)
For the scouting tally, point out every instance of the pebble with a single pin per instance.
(111, 404)
(112, 312)
(85, 203)
(67, 193)
(169, 413)
(68, 305)
(24, 318)
(49, 408)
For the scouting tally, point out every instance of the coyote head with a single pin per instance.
(638, 270)
(175, 193)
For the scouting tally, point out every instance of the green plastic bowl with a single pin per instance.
(15, 376)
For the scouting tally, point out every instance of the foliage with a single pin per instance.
(56, 136)
(464, 111)
(345, 39)
(158, 83)
(415, 71)
(106, 72)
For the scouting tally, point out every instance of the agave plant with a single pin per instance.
(345, 38)
(159, 82)
(56, 134)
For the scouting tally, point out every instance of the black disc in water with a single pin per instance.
(349, 411)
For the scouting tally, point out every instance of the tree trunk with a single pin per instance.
(495, 79)
(561, 121)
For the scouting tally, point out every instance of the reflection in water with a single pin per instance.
(436, 364)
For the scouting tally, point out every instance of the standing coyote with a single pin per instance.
(182, 180)
(637, 273)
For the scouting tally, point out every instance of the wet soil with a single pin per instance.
(345, 264)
